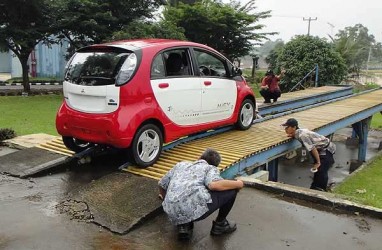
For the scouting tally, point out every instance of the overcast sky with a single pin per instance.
(287, 16)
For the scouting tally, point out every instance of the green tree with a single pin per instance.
(273, 54)
(355, 45)
(86, 22)
(23, 24)
(142, 29)
(229, 28)
(175, 2)
(302, 53)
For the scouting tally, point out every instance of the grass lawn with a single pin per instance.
(364, 186)
(376, 122)
(30, 115)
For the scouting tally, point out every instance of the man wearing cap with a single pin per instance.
(191, 191)
(269, 88)
(320, 148)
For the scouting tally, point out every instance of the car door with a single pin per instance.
(175, 86)
(219, 91)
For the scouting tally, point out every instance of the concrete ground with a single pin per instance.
(30, 220)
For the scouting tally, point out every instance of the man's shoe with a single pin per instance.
(223, 227)
(275, 100)
(267, 101)
(185, 231)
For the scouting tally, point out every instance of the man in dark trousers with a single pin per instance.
(320, 148)
(269, 88)
(191, 191)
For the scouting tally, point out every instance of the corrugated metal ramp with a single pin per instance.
(235, 146)
(56, 146)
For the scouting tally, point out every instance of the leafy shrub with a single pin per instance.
(6, 133)
(302, 53)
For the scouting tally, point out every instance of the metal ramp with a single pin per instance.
(297, 99)
(240, 148)
(56, 146)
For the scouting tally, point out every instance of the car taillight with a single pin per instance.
(126, 70)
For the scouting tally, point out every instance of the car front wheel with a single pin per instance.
(147, 145)
(246, 115)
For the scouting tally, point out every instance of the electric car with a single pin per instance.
(139, 94)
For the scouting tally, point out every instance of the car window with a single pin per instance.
(172, 63)
(210, 65)
(95, 68)
(157, 67)
(177, 62)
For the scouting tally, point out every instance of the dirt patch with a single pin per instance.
(35, 198)
(362, 225)
(3, 241)
(76, 210)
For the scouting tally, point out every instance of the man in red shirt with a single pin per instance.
(269, 88)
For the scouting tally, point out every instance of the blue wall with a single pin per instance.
(50, 61)
(5, 62)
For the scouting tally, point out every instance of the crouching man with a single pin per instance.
(191, 191)
(320, 148)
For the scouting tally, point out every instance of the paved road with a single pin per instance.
(30, 221)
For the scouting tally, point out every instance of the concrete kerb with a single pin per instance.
(32, 83)
(327, 199)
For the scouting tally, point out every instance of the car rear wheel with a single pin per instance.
(246, 115)
(147, 145)
(75, 145)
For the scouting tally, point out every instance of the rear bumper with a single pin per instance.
(96, 128)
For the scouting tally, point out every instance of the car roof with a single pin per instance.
(138, 44)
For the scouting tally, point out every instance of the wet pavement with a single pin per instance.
(33, 214)
(30, 220)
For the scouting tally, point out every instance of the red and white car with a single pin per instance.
(138, 94)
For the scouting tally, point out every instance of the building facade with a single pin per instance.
(44, 61)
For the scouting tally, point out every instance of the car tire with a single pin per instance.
(75, 145)
(246, 115)
(147, 145)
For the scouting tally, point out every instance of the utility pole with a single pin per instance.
(331, 31)
(309, 20)
(368, 60)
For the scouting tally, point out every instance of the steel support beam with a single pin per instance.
(273, 169)
(361, 129)
(259, 158)
(283, 106)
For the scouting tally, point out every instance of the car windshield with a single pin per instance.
(95, 68)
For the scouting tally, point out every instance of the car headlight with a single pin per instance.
(127, 70)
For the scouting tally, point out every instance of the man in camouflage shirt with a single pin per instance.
(320, 148)
(191, 191)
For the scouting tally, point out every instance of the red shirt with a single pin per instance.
(272, 82)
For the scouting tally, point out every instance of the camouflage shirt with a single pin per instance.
(310, 140)
(187, 192)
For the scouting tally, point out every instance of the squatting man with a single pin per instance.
(191, 191)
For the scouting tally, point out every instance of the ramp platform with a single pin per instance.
(120, 201)
(26, 162)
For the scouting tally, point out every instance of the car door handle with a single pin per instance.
(163, 85)
(207, 83)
